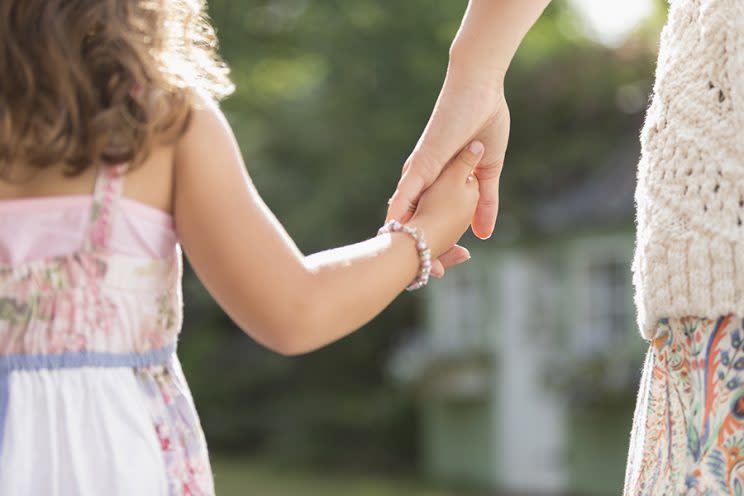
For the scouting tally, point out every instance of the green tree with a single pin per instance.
(331, 97)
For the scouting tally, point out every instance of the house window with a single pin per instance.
(608, 294)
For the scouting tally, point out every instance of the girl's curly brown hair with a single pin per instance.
(100, 81)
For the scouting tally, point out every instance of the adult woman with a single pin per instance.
(688, 430)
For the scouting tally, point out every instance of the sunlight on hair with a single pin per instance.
(611, 21)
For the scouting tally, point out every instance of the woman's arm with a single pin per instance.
(490, 33)
(471, 105)
(288, 302)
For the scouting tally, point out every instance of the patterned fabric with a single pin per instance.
(688, 430)
(177, 428)
(97, 308)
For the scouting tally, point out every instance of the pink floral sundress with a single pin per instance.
(93, 400)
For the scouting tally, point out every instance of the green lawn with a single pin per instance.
(248, 476)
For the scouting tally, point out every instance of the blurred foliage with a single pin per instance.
(232, 475)
(331, 97)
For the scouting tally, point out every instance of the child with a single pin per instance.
(106, 96)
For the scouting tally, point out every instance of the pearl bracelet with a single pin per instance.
(423, 250)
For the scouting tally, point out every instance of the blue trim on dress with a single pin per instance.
(72, 359)
(77, 359)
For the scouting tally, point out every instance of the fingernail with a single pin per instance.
(476, 147)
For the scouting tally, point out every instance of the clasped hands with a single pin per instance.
(466, 110)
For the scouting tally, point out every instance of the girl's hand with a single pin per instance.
(446, 208)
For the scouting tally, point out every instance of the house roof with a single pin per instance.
(604, 199)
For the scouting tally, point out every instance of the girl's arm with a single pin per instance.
(288, 302)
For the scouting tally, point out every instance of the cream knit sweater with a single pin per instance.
(689, 258)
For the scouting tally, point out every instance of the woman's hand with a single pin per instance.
(466, 109)
(470, 106)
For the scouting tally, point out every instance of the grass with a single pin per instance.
(235, 476)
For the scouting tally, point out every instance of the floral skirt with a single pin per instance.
(688, 429)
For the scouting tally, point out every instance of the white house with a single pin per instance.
(527, 365)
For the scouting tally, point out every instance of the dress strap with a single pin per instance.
(106, 192)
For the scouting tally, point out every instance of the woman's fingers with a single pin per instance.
(437, 269)
(455, 256)
(484, 218)
(420, 171)
(495, 137)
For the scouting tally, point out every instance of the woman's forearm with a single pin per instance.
(490, 33)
